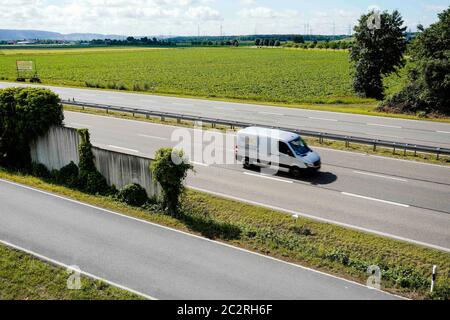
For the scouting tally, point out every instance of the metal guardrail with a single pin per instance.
(237, 124)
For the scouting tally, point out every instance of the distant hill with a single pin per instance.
(9, 35)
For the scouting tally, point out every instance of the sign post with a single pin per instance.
(27, 70)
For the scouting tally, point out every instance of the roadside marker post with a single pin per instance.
(433, 279)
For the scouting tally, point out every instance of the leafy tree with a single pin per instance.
(257, 42)
(428, 88)
(378, 51)
(170, 169)
(298, 39)
(277, 43)
(25, 114)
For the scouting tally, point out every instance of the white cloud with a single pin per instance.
(266, 13)
(248, 2)
(203, 13)
(435, 8)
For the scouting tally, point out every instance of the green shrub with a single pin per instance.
(90, 180)
(39, 170)
(170, 168)
(133, 195)
(68, 175)
(94, 183)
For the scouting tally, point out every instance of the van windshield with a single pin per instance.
(299, 146)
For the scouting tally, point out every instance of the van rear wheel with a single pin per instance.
(247, 164)
(295, 172)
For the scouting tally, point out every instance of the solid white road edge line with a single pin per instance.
(375, 199)
(271, 113)
(443, 132)
(383, 125)
(209, 240)
(199, 164)
(87, 274)
(266, 177)
(379, 176)
(341, 224)
(323, 119)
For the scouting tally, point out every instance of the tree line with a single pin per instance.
(380, 50)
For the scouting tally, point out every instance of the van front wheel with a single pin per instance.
(295, 172)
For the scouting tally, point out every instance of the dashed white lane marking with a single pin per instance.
(271, 113)
(75, 124)
(380, 176)
(324, 119)
(375, 199)
(266, 177)
(384, 125)
(63, 265)
(122, 148)
(152, 137)
(448, 132)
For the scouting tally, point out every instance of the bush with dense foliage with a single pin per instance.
(25, 114)
(133, 195)
(90, 180)
(428, 88)
(170, 169)
(68, 175)
(377, 51)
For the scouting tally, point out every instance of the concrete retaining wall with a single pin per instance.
(59, 147)
(121, 169)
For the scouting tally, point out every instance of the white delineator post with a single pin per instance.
(433, 278)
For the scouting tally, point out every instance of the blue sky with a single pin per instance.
(207, 17)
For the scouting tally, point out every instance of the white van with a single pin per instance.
(274, 148)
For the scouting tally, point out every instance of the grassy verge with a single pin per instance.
(406, 268)
(25, 277)
(367, 108)
(338, 145)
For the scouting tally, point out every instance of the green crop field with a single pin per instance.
(264, 75)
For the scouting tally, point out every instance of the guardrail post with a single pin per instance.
(163, 118)
(438, 153)
(415, 151)
(178, 120)
(404, 151)
(393, 152)
(375, 146)
(107, 111)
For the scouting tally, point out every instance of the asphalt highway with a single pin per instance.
(391, 129)
(401, 199)
(153, 260)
